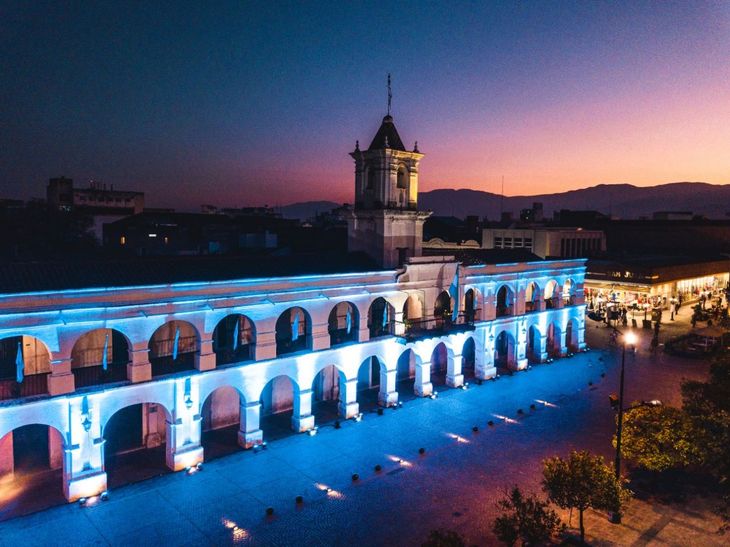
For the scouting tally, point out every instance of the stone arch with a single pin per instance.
(553, 342)
(442, 308)
(471, 304)
(505, 301)
(371, 178)
(100, 356)
(234, 339)
(405, 373)
(327, 390)
(505, 350)
(370, 374)
(412, 310)
(402, 179)
(221, 421)
(343, 323)
(469, 358)
(278, 398)
(31, 466)
(439, 363)
(174, 347)
(568, 292)
(34, 356)
(572, 330)
(401, 185)
(550, 295)
(534, 344)
(135, 442)
(532, 297)
(381, 318)
(293, 331)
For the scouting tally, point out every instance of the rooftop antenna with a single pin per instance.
(390, 94)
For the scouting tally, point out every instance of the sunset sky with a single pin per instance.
(254, 103)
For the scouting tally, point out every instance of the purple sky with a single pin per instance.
(253, 103)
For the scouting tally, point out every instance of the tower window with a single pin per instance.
(402, 177)
(371, 179)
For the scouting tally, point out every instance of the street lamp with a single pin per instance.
(629, 338)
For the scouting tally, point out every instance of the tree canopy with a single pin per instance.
(582, 481)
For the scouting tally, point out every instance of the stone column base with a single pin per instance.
(423, 390)
(388, 399)
(58, 384)
(486, 374)
(250, 439)
(349, 410)
(457, 380)
(141, 372)
(185, 457)
(85, 487)
(521, 364)
(300, 424)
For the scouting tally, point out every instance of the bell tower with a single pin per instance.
(386, 222)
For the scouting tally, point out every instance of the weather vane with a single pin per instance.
(390, 94)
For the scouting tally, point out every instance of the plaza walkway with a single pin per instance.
(454, 484)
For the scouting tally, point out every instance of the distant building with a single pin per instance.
(102, 204)
(533, 214)
(547, 241)
(672, 215)
(188, 234)
(96, 199)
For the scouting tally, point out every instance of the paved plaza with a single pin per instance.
(454, 484)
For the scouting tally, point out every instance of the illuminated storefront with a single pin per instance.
(653, 281)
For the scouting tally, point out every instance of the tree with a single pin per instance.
(582, 481)
(707, 405)
(527, 519)
(444, 538)
(658, 438)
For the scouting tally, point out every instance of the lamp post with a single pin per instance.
(629, 338)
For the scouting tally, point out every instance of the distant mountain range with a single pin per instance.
(620, 200)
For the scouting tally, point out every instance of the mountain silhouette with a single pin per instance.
(620, 200)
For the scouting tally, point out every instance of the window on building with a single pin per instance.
(518, 242)
(371, 180)
(507, 242)
(497, 242)
(402, 177)
(528, 242)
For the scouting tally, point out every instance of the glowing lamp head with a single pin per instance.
(630, 338)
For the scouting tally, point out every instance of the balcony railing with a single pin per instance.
(532, 305)
(376, 331)
(33, 384)
(96, 375)
(225, 356)
(287, 345)
(341, 336)
(167, 365)
(428, 328)
(504, 311)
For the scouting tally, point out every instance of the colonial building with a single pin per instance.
(90, 373)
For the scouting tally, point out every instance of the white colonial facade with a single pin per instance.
(298, 340)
